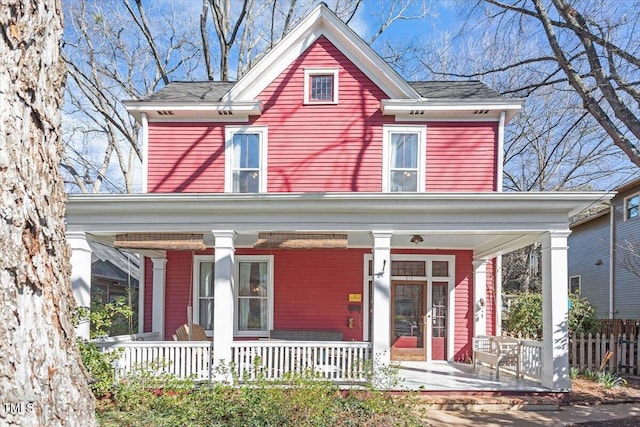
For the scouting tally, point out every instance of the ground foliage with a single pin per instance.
(524, 317)
(300, 400)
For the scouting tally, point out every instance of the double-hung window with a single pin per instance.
(203, 268)
(321, 86)
(245, 159)
(254, 301)
(632, 206)
(404, 158)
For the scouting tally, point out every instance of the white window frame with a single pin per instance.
(309, 72)
(626, 204)
(388, 130)
(578, 276)
(230, 131)
(197, 260)
(253, 258)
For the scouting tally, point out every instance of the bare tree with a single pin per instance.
(42, 381)
(591, 46)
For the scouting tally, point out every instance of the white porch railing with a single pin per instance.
(334, 360)
(530, 358)
(183, 359)
(339, 361)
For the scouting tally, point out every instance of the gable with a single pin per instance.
(320, 23)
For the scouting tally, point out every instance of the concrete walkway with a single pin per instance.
(566, 416)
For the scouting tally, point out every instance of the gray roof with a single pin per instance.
(472, 89)
(214, 91)
(111, 263)
(192, 92)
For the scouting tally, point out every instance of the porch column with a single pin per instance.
(157, 302)
(555, 311)
(479, 297)
(81, 276)
(223, 311)
(381, 338)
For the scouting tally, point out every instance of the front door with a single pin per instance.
(408, 306)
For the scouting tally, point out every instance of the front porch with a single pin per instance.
(440, 296)
(348, 364)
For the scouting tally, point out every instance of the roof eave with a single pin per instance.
(462, 108)
(191, 109)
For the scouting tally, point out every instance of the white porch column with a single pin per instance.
(555, 311)
(381, 338)
(480, 297)
(81, 276)
(224, 307)
(157, 302)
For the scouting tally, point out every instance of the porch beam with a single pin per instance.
(381, 338)
(224, 307)
(555, 311)
(158, 286)
(479, 297)
(81, 276)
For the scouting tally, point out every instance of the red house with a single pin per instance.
(322, 196)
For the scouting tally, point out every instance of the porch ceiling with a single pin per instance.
(488, 223)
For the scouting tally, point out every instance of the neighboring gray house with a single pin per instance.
(604, 255)
(112, 272)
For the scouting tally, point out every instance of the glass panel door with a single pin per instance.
(407, 329)
(439, 320)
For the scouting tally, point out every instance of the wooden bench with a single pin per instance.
(305, 335)
(499, 351)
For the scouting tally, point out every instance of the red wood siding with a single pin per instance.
(463, 323)
(312, 290)
(320, 147)
(177, 290)
(323, 147)
(461, 156)
(185, 157)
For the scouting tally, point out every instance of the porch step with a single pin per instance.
(481, 403)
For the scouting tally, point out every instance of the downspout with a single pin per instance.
(141, 288)
(145, 151)
(498, 265)
(611, 258)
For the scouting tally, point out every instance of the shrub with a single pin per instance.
(99, 367)
(525, 316)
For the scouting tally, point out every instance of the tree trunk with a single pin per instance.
(42, 381)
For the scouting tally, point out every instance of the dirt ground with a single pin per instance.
(585, 392)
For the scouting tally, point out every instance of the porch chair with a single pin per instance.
(197, 333)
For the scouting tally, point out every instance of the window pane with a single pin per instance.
(246, 181)
(206, 280)
(205, 313)
(404, 150)
(633, 207)
(246, 149)
(252, 314)
(321, 88)
(404, 181)
(440, 268)
(252, 279)
(574, 285)
(407, 268)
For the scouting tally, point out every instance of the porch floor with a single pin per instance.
(441, 376)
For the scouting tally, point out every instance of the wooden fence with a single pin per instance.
(590, 351)
(630, 327)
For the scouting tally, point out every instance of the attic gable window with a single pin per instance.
(321, 86)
